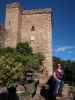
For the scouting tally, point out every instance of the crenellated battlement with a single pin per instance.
(37, 11)
(13, 5)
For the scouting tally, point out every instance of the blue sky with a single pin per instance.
(63, 23)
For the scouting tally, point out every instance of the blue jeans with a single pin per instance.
(57, 86)
(61, 87)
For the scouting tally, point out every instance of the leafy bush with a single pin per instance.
(15, 62)
(24, 48)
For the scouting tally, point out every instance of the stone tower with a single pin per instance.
(12, 24)
(36, 29)
(33, 26)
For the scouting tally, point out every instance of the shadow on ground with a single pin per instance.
(11, 95)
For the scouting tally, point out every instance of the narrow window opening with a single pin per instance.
(9, 22)
(33, 28)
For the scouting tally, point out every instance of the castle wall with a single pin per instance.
(40, 35)
(12, 26)
(36, 28)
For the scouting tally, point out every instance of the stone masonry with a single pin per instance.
(33, 26)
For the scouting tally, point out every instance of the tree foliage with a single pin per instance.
(24, 48)
(15, 61)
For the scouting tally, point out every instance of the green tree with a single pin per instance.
(14, 62)
(24, 48)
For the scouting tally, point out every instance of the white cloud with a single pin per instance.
(65, 48)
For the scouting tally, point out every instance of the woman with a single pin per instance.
(58, 75)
